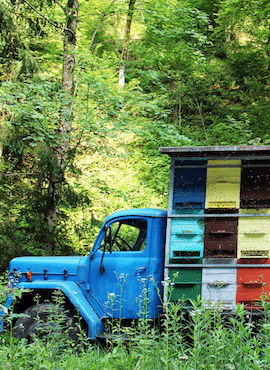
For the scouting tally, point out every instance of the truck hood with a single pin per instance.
(45, 268)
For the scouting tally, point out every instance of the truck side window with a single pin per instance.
(129, 235)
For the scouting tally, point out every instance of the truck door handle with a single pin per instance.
(141, 268)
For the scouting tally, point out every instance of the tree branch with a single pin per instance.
(19, 174)
(47, 19)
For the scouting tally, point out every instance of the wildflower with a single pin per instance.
(166, 282)
(196, 312)
(230, 366)
(184, 357)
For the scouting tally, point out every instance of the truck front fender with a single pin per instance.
(75, 296)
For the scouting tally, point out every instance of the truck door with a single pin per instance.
(119, 269)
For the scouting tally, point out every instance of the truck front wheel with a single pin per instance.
(45, 321)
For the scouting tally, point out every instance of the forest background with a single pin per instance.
(90, 90)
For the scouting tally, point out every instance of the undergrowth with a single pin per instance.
(200, 339)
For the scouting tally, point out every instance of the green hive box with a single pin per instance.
(187, 283)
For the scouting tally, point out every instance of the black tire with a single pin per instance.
(43, 321)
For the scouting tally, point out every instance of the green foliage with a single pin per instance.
(197, 73)
(200, 339)
(172, 46)
(237, 132)
(31, 114)
(22, 36)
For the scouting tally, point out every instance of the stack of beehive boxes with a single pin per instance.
(218, 238)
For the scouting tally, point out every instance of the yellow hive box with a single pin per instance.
(223, 184)
(254, 234)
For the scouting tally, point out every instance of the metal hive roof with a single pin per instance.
(225, 152)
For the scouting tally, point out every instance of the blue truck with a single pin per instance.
(213, 242)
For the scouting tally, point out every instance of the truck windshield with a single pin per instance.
(128, 235)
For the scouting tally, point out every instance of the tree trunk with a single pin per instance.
(131, 8)
(65, 125)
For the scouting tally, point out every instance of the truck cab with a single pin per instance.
(120, 278)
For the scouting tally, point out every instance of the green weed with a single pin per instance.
(201, 338)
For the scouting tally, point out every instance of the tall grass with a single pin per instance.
(202, 340)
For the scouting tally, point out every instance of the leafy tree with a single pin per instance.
(196, 73)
